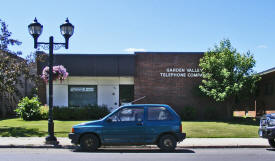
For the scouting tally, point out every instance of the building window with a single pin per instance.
(158, 113)
(80, 96)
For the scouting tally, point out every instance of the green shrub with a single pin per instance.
(44, 112)
(188, 113)
(28, 109)
(80, 113)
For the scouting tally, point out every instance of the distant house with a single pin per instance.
(263, 101)
(265, 96)
(25, 88)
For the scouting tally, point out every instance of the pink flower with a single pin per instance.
(59, 72)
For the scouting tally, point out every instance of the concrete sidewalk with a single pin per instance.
(39, 142)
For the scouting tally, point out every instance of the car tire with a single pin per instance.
(167, 143)
(271, 142)
(89, 142)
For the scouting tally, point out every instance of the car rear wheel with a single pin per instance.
(167, 143)
(272, 142)
(89, 142)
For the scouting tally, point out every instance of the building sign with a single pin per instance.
(181, 73)
(81, 89)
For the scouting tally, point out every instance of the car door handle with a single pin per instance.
(140, 123)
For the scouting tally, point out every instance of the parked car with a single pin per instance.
(145, 124)
(267, 128)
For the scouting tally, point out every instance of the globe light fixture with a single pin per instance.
(67, 30)
(35, 29)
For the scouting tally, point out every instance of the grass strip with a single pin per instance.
(17, 127)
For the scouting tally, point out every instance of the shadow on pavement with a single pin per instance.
(270, 149)
(137, 150)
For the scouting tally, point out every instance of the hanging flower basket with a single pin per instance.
(59, 73)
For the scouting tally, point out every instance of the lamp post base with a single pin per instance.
(51, 140)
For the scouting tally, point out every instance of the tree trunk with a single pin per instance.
(229, 109)
(2, 106)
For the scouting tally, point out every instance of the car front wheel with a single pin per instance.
(89, 142)
(271, 142)
(167, 143)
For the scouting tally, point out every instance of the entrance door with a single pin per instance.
(126, 94)
(108, 95)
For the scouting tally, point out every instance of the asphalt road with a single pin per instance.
(239, 154)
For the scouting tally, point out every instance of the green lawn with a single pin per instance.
(220, 129)
(238, 129)
(20, 128)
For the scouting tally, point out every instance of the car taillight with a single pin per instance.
(72, 130)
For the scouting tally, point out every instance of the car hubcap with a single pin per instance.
(89, 142)
(167, 143)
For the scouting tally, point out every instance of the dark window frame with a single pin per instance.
(69, 97)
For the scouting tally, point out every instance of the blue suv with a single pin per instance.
(267, 128)
(136, 124)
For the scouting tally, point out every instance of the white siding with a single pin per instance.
(108, 95)
(60, 95)
(107, 89)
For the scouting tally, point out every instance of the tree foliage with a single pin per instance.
(12, 68)
(227, 73)
(6, 40)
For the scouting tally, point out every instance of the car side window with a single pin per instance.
(158, 113)
(128, 114)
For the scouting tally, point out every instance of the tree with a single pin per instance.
(12, 67)
(227, 73)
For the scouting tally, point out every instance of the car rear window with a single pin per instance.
(158, 113)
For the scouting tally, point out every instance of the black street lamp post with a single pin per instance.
(67, 30)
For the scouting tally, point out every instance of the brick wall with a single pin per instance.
(175, 91)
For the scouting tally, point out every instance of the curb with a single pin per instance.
(39, 146)
(225, 146)
(132, 147)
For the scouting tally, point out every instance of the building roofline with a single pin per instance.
(94, 64)
(144, 52)
(126, 54)
(267, 71)
(94, 54)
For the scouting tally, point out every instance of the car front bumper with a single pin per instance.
(267, 132)
(180, 136)
(74, 137)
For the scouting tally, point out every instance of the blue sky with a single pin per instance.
(125, 26)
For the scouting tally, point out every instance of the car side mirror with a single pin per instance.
(109, 120)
